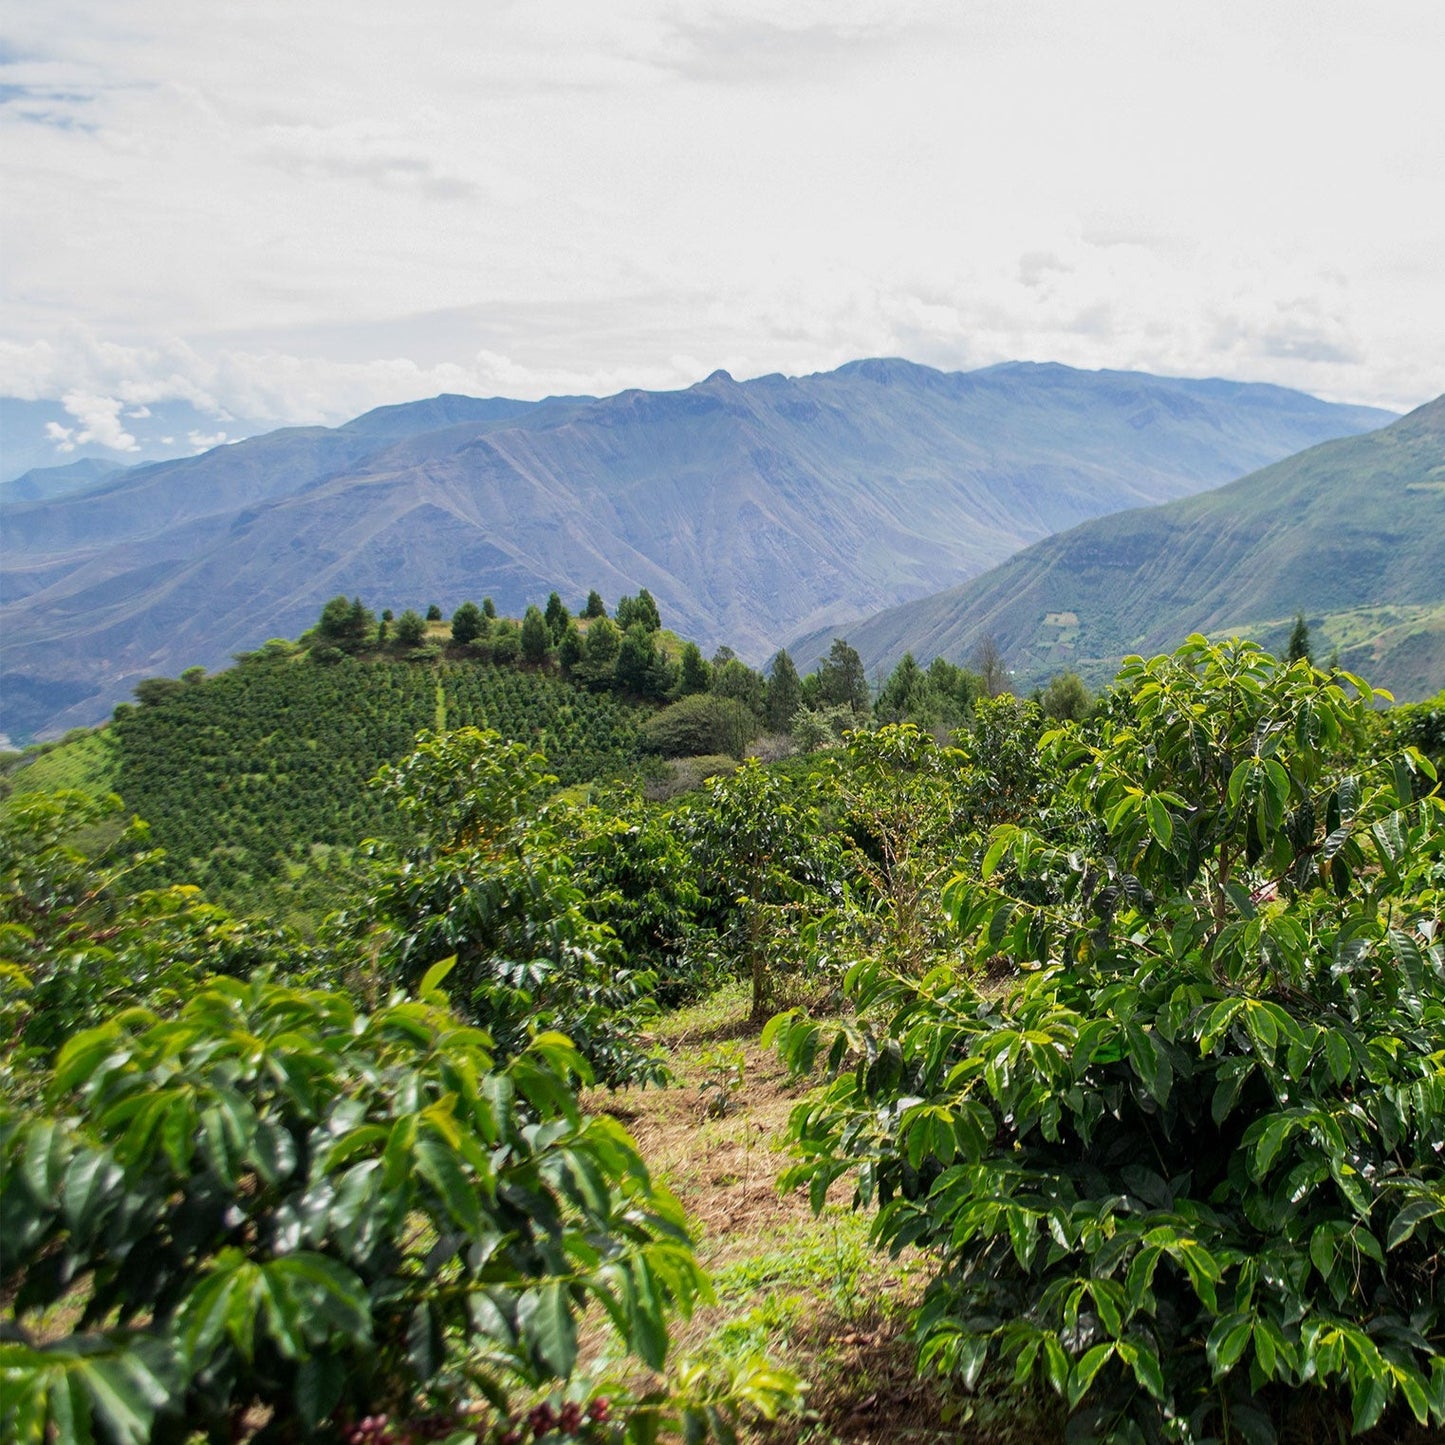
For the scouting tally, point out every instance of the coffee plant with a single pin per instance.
(276, 1216)
(1188, 1170)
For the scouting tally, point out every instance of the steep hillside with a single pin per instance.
(1347, 533)
(749, 511)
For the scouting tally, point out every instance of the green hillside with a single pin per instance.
(1347, 533)
(242, 775)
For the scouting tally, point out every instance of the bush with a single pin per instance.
(700, 723)
(1191, 1167)
(275, 1203)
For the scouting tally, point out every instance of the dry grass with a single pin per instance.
(809, 1291)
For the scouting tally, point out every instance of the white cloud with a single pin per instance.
(99, 421)
(203, 443)
(295, 212)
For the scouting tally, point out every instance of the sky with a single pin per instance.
(292, 212)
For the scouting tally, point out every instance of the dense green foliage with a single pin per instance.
(258, 763)
(1142, 1011)
(1191, 1164)
(276, 1201)
(701, 723)
(490, 880)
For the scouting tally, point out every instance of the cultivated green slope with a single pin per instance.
(1348, 532)
(242, 774)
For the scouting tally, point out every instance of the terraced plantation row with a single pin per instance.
(240, 772)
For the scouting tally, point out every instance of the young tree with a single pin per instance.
(784, 694)
(468, 623)
(694, 674)
(433, 613)
(489, 609)
(410, 629)
(557, 617)
(536, 637)
(595, 607)
(1299, 641)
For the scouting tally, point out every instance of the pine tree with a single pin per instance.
(557, 617)
(410, 628)
(467, 623)
(595, 606)
(647, 612)
(901, 697)
(784, 693)
(536, 637)
(1299, 641)
(695, 671)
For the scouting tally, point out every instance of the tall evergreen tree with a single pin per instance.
(1299, 641)
(557, 617)
(410, 628)
(571, 649)
(784, 693)
(647, 612)
(735, 679)
(595, 606)
(904, 695)
(536, 637)
(695, 673)
(346, 624)
(636, 661)
(842, 680)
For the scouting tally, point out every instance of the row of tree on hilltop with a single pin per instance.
(714, 705)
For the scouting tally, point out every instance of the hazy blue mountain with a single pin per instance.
(1347, 533)
(749, 510)
(43, 484)
(161, 431)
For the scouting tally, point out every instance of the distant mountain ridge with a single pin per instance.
(750, 510)
(41, 435)
(1347, 533)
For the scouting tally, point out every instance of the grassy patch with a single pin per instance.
(809, 1291)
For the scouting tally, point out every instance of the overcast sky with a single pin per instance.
(294, 211)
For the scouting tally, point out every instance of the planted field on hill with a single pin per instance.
(239, 770)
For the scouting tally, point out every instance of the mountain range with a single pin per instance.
(752, 511)
(1347, 533)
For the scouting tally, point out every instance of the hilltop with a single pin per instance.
(750, 510)
(1347, 533)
